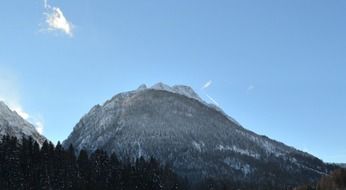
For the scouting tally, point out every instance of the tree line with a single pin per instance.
(24, 165)
(334, 181)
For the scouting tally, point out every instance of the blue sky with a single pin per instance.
(277, 66)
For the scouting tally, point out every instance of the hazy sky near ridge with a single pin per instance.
(278, 67)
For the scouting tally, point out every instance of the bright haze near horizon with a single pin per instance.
(277, 67)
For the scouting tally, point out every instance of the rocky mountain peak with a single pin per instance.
(12, 124)
(173, 124)
(4, 109)
(142, 87)
(178, 89)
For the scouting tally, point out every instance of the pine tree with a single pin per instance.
(100, 162)
(115, 173)
(27, 162)
(84, 171)
(44, 173)
(58, 170)
(53, 168)
(70, 162)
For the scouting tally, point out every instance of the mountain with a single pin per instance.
(198, 140)
(14, 125)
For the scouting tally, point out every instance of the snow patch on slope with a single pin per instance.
(178, 89)
(188, 92)
(198, 146)
(11, 123)
(238, 150)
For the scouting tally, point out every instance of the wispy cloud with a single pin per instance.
(207, 84)
(20, 112)
(39, 126)
(45, 3)
(56, 20)
(212, 100)
(204, 89)
(9, 93)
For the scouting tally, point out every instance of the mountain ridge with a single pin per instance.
(198, 140)
(12, 124)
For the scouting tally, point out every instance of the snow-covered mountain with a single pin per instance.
(174, 125)
(14, 125)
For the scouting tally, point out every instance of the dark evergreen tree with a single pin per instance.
(44, 178)
(11, 170)
(26, 166)
(101, 173)
(84, 171)
(70, 163)
(59, 168)
(115, 173)
(27, 162)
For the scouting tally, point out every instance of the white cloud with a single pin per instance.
(9, 93)
(20, 112)
(39, 127)
(56, 20)
(204, 87)
(207, 84)
(212, 99)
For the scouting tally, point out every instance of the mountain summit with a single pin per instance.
(14, 125)
(174, 125)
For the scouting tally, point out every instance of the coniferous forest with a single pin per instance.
(26, 166)
(335, 181)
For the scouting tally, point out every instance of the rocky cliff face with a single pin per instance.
(174, 125)
(14, 125)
